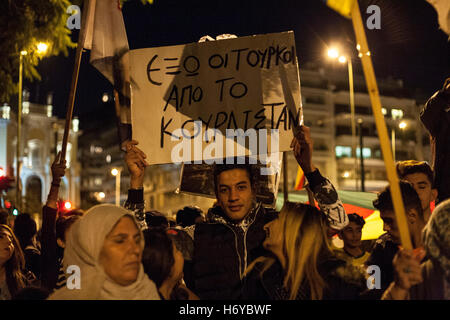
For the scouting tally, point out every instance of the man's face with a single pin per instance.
(390, 224)
(351, 235)
(423, 188)
(234, 193)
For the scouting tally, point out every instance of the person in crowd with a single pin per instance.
(163, 263)
(232, 238)
(156, 219)
(436, 118)
(13, 277)
(353, 251)
(420, 175)
(106, 245)
(431, 279)
(49, 247)
(31, 293)
(189, 216)
(387, 245)
(301, 264)
(25, 229)
(63, 225)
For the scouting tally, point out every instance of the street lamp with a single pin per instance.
(334, 53)
(117, 172)
(402, 125)
(41, 49)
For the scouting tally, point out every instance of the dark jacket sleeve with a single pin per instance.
(328, 199)
(49, 267)
(136, 204)
(434, 111)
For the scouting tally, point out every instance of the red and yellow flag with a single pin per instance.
(300, 180)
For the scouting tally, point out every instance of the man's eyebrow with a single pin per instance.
(242, 182)
(422, 183)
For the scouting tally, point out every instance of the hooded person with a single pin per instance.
(106, 245)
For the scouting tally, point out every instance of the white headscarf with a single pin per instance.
(84, 244)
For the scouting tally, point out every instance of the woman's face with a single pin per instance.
(177, 269)
(274, 236)
(122, 252)
(6, 246)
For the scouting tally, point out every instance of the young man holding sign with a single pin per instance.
(218, 251)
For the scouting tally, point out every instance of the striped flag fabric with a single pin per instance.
(300, 179)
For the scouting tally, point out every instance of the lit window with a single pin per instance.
(25, 107)
(384, 111)
(97, 181)
(108, 158)
(49, 110)
(75, 124)
(342, 151)
(98, 149)
(397, 113)
(367, 153)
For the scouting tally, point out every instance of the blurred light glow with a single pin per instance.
(114, 172)
(67, 205)
(2, 172)
(402, 125)
(333, 53)
(42, 47)
(342, 59)
(105, 97)
(346, 174)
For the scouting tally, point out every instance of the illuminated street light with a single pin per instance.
(116, 172)
(42, 47)
(342, 59)
(333, 53)
(402, 125)
(105, 97)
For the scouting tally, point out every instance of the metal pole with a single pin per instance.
(19, 121)
(360, 121)
(285, 178)
(352, 116)
(118, 187)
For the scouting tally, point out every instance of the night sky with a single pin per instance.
(409, 45)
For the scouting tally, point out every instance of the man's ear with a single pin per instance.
(434, 194)
(60, 243)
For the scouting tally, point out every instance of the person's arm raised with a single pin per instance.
(136, 163)
(323, 190)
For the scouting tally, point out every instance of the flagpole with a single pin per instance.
(381, 126)
(73, 84)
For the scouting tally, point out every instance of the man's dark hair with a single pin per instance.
(219, 168)
(407, 167)
(156, 219)
(356, 218)
(25, 229)
(186, 216)
(410, 198)
(63, 223)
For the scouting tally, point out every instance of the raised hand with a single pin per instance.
(407, 269)
(136, 163)
(302, 145)
(58, 169)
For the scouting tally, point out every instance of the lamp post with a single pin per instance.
(117, 172)
(360, 122)
(41, 49)
(402, 125)
(334, 54)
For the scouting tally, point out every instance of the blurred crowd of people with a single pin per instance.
(240, 249)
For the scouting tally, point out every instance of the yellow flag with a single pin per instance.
(343, 7)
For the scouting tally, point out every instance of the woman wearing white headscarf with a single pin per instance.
(431, 279)
(106, 244)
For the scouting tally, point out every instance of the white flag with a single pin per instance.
(103, 33)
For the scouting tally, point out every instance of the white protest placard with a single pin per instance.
(216, 99)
